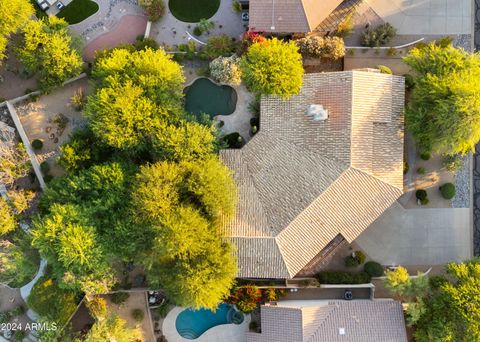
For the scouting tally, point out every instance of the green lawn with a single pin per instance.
(78, 10)
(191, 11)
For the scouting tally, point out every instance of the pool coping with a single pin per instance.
(220, 333)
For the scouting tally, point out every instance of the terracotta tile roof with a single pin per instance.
(361, 320)
(301, 183)
(285, 16)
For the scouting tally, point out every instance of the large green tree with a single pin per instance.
(48, 48)
(184, 202)
(112, 329)
(13, 15)
(273, 67)
(444, 111)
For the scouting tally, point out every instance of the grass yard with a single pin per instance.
(191, 11)
(78, 10)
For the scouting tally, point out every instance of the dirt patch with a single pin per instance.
(125, 32)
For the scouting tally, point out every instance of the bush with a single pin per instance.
(221, 45)
(153, 9)
(421, 171)
(138, 315)
(97, 307)
(322, 47)
(331, 277)
(421, 194)
(452, 163)
(119, 297)
(436, 281)
(205, 25)
(78, 99)
(425, 155)
(384, 69)
(18, 265)
(234, 140)
(226, 70)
(409, 81)
(197, 31)
(391, 51)
(406, 167)
(447, 190)
(48, 178)
(381, 35)
(236, 6)
(246, 298)
(37, 144)
(355, 259)
(345, 28)
(373, 268)
(143, 43)
(45, 167)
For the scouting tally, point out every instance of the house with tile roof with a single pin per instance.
(332, 321)
(307, 183)
(286, 16)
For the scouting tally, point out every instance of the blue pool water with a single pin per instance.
(191, 324)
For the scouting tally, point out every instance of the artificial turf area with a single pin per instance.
(191, 11)
(77, 11)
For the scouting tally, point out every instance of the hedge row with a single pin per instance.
(343, 277)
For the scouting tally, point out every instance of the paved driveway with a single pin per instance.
(419, 236)
(427, 17)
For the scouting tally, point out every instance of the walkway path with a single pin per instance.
(419, 236)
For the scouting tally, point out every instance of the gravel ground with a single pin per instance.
(462, 185)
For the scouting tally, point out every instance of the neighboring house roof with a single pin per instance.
(285, 16)
(301, 183)
(359, 320)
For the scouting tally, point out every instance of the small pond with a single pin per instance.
(204, 96)
(191, 324)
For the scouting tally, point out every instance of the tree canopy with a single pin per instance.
(48, 48)
(8, 223)
(444, 111)
(13, 15)
(113, 328)
(273, 67)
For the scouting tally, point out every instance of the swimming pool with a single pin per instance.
(204, 96)
(190, 324)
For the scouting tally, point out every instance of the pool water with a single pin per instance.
(191, 324)
(204, 96)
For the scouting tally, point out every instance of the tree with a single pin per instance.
(154, 9)
(48, 48)
(221, 45)
(112, 329)
(14, 163)
(444, 114)
(139, 93)
(273, 67)
(226, 70)
(14, 14)
(8, 223)
(402, 285)
(69, 244)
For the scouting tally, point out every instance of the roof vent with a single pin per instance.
(341, 331)
(317, 112)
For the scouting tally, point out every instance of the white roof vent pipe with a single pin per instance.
(317, 112)
(341, 331)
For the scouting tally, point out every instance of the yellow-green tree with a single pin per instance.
(113, 328)
(273, 67)
(8, 222)
(48, 48)
(444, 111)
(13, 15)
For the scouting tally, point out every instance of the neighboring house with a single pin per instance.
(287, 16)
(332, 321)
(306, 186)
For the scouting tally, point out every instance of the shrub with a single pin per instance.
(17, 264)
(189, 49)
(436, 281)
(331, 277)
(384, 69)
(425, 155)
(205, 25)
(246, 298)
(97, 307)
(345, 28)
(226, 70)
(153, 9)
(37, 144)
(421, 170)
(78, 99)
(138, 315)
(221, 45)
(391, 51)
(119, 297)
(409, 81)
(197, 31)
(322, 47)
(234, 140)
(447, 190)
(143, 43)
(48, 178)
(373, 268)
(45, 167)
(452, 163)
(381, 35)
(421, 194)
(236, 6)
(406, 167)
(355, 259)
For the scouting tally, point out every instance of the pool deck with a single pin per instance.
(220, 333)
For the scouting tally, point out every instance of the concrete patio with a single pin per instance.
(419, 236)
